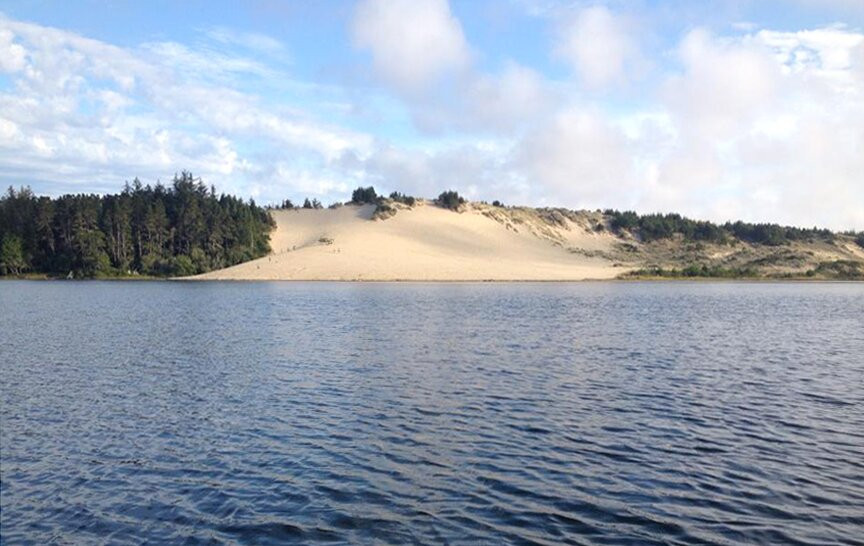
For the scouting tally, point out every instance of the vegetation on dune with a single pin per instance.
(693, 271)
(185, 228)
(179, 230)
(839, 269)
(287, 204)
(384, 207)
(402, 198)
(364, 196)
(450, 200)
(383, 210)
(652, 227)
(834, 270)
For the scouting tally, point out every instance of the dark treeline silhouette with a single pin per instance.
(450, 200)
(402, 198)
(837, 269)
(362, 196)
(652, 227)
(287, 204)
(178, 230)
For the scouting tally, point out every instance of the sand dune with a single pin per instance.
(428, 243)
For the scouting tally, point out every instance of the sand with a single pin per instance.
(426, 243)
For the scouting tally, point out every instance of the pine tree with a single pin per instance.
(12, 259)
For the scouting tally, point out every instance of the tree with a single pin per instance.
(183, 266)
(44, 225)
(12, 259)
(141, 228)
(116, 224)
(156, 230)
(307, 204)
(363, 196)
(450, 200)
(402, 198)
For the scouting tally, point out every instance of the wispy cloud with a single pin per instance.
(719, 121)
(89, 114)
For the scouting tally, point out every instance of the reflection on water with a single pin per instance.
(551, 413)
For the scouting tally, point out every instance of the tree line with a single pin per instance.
(652, 227)
(182, 229)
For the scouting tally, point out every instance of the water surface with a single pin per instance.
(607, 413)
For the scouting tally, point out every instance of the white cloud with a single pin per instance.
(513, 97)
(830, 51)
(86, 112)
(599, 46)
(724, 82)
(250, 40)
(582, 159)
(770, 125)
(487, 103)
(12, 55)
(765, 125)
(204, 64)
(420, 53)
(413, 42)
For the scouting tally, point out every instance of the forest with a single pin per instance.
(652, 227)
(182, 229)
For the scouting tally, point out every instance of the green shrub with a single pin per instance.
(841, 269)
(450, 200)
(383, 211)
(363, 196)
(696, 271)
(402, 198)
(12, 259)
(182, 266)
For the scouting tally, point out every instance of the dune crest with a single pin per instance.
(429, 243)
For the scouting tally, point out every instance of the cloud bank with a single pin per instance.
(749, 123)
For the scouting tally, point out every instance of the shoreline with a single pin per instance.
(483, 244)
(625, 280)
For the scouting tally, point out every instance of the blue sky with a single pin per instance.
(720, 109)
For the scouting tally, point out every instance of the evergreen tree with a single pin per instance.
(182, 229)
(12, 260)
(364, 196)
(450, 200)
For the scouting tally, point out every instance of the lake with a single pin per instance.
(265, 413)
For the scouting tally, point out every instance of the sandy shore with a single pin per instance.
(425, 243)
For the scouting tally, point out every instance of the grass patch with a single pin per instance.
(696, 271)
(839, 269)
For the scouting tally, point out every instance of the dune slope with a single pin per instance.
(427, 243)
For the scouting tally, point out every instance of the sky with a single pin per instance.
(716, 109)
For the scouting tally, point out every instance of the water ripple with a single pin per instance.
(273, 413)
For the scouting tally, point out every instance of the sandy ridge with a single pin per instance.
(428, 243)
